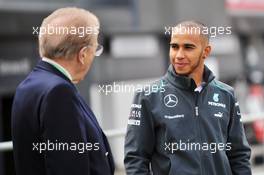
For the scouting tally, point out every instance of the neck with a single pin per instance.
(197, 75)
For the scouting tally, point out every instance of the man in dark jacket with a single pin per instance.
(54, 131)
(190, 124)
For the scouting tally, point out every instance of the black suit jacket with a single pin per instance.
(54, 131)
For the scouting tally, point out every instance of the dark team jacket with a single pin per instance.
(48, 111)
(175, 130)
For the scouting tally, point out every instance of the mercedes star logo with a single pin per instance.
(170, 100)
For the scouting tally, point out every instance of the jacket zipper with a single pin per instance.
(199, 128)
(196, 111)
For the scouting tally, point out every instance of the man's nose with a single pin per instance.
(180, 54)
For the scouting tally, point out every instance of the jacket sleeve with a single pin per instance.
(62, 126)
(240, 152)
(140, 138)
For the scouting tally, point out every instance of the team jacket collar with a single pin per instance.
(187, 83)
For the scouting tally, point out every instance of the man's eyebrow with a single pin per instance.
(189, 45)
(185, 44)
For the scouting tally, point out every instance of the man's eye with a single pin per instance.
(189, 47)
(174, 46)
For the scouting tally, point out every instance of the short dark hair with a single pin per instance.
(195, 24)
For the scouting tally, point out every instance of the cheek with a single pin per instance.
(171, 55)
(193, 55)
(89, 62)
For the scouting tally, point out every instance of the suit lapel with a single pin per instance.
(106, 144)
(89, 112)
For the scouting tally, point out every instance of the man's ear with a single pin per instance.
(207, 51)
(82, 55)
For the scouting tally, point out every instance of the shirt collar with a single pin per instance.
(200, 88)
(58, 67)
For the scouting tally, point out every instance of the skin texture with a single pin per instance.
(85, 59)
(187, 54)
(79, 65)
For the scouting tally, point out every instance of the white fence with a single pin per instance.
(8, 146)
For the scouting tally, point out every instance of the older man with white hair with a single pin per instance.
(54, 130)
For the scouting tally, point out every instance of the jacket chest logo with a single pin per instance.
(170, 100)
(216, 97)
(215, 101)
